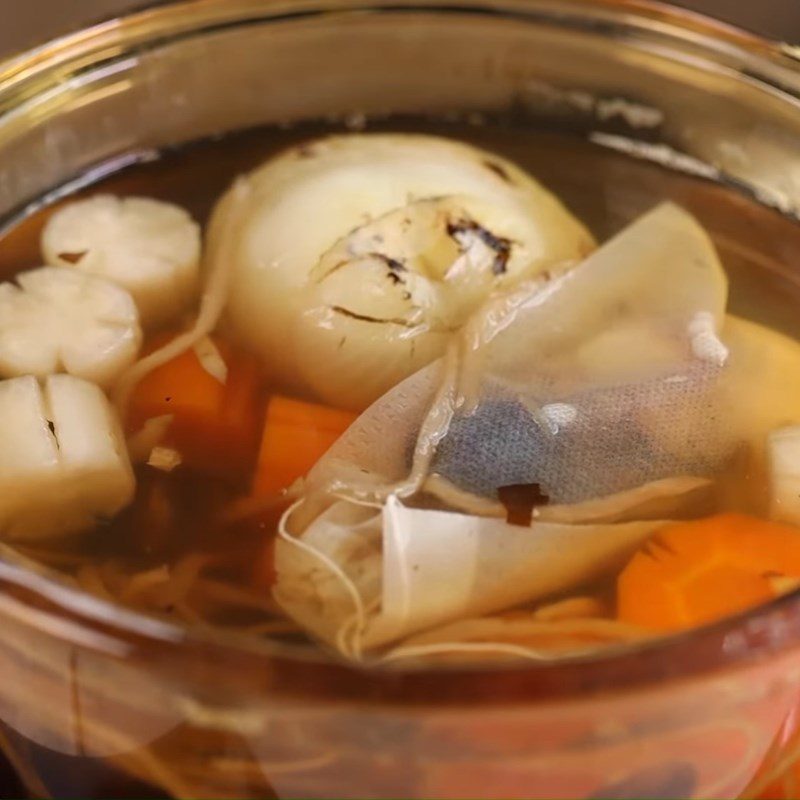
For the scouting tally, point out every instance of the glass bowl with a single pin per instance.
(96, 701)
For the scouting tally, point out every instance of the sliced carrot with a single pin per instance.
(699, 571)
(215, 425)
(295, 435)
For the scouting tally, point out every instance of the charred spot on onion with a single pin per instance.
(462, 232)
(346, 312)
(395, 267)
(498, 170)
(335, 268)
(73, 258)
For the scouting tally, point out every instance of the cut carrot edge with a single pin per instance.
(696, 572)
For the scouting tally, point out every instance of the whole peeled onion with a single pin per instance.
(358, 255)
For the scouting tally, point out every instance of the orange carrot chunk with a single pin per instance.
(696, 572)
(295, 435)
(215, 425)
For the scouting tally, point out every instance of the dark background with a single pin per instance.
(24, 22)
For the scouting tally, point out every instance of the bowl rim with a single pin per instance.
(35, 598)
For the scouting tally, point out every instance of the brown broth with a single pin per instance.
(603, 188)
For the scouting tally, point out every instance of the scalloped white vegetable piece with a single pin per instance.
(360, 253)
(63, 462)
(149, 247)
(55, 319)
(414, 569)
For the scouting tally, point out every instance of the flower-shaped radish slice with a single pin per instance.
(149, 247)
(55, 319)
(63, 462)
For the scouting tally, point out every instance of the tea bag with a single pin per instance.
(413, 568)
(618, 389)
